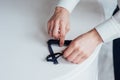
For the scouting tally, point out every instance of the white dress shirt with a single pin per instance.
(110, 28)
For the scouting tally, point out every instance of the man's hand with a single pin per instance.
(59, 24)
(82, 47)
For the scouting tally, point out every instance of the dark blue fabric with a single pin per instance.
(116, 10)
(116, 54)
(116, 57)
(54, 56)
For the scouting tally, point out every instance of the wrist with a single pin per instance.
(96, 36)
(61, 10)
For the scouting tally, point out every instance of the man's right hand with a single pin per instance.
(59, 24)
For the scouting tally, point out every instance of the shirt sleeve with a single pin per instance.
(68, 4)
(110, 29)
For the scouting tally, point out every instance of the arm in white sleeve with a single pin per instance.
(68, 4)
(110, 29)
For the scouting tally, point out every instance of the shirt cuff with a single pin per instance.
(68, 4)
(109, 30)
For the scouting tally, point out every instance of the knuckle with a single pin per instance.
(52, 21)
(62, 35)
(79, 62)
(56, 21)
(62, 21)
(49, 21)
(86, 56)
(82, 52)
(79, 50)
(67, 29)
(54, 35)
(74, 44)
(75, 61)
(69, 59)
(65, 55)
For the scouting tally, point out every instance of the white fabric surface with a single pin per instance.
(23, 37)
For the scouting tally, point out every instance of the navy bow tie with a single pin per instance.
(54, 56)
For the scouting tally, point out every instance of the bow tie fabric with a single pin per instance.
(52, 57)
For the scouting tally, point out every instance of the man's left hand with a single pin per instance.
(82, 47)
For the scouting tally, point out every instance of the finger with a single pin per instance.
(56, 30)
(62, 33)
(48, 27)
(51, 28)
(78, 58)
(67, 28)
(68, 51)
(62, 40)
(81, 60)
(59, 31)
(73, 55)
